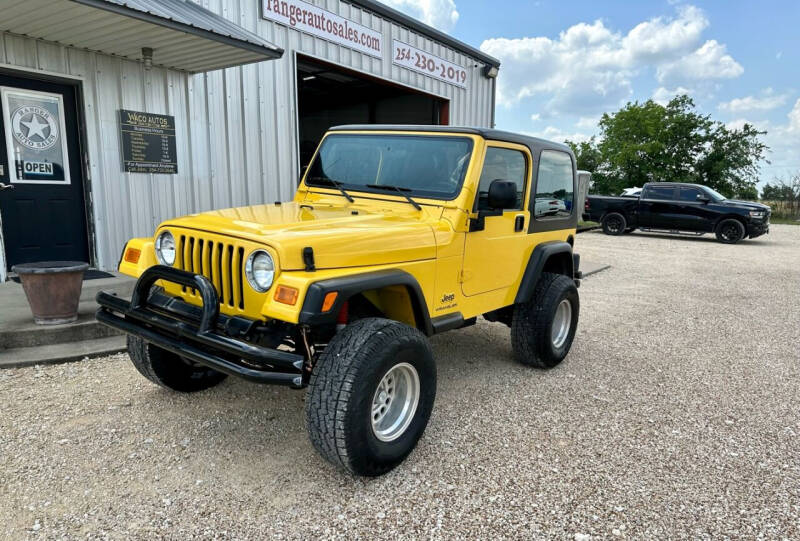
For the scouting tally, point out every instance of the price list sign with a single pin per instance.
(148, 143)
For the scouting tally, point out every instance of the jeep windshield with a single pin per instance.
(422, 166)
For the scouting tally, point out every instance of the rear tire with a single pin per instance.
(730, 231)
(169, 370)
(371, 395)
(614, 223)
(543, 328)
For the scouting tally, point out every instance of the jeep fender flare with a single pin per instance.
(555, 256)
(348, 286)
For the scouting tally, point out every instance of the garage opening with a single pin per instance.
(329, 95)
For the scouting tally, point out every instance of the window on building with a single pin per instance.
(555, 186)
(502, 164)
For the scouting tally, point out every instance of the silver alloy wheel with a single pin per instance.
(395, 402)
(562, 322)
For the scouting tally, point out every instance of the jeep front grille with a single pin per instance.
(222, 263)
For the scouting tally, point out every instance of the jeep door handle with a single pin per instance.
(519, 224)
(6, 186)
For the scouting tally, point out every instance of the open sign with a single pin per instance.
(38, 168)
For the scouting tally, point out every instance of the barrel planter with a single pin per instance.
(53, 289)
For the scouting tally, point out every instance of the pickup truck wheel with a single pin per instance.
(614, 223)
(370, 396)
(730, 231)
(169, 370)
(543, 328)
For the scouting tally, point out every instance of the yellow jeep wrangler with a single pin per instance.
(396, 233)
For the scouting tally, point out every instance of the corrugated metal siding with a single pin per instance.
(236, 128)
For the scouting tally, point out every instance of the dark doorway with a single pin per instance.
(330, 95)
(42, 201)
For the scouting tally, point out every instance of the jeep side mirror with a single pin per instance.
(502, 195)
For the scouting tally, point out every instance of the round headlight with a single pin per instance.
(165, 248)
(260, 270)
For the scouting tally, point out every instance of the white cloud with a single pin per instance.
(558, 135)
(659, 39)
(441, 14)
(590, 68)
(535, 117)
(585, 122)
(782, 139)
(663, 95)
(794, 118)
(710, 61)
(768, 101)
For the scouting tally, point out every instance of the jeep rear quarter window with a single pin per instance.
(555, 187)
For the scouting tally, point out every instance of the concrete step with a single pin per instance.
(26, 333)
(121, 285)
(61, 353)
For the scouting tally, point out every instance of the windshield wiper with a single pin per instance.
(401, 191)
(336, 184)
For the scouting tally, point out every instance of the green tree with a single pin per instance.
(649, 142)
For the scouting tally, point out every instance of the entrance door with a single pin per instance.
(41, 203)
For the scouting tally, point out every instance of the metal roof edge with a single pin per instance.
(422, 28)
(267, 49)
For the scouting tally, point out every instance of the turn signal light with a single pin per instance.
(286, 295)
(132, 255)
(329, 301)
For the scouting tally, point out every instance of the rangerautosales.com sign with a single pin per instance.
(325, 24)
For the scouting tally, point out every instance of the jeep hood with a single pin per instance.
(339, 238)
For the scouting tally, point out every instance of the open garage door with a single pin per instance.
(329, 95)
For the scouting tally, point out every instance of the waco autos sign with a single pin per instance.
(325, 24)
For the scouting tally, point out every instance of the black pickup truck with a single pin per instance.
(679, 208)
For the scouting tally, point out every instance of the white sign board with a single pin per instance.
(325, 24)
(35, 137)
(410, 57)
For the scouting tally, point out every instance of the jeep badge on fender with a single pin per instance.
(396, 233)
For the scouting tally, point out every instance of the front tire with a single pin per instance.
(730, 231)
(542, 329)
(169, 370)
(371, 395)
(614, 223)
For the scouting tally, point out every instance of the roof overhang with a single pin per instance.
(183, 35)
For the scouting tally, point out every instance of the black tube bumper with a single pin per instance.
(202, 335)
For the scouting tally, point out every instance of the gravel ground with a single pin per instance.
(675, 415)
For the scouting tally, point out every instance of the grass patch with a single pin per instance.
(785, 221)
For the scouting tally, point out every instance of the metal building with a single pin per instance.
(118, 114)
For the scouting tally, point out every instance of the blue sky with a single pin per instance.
(566, 62)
